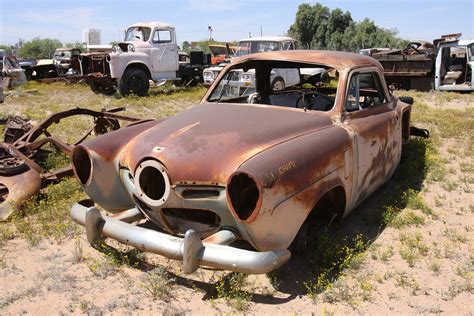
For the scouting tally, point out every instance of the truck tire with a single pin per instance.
(134, 81)
(99, 88)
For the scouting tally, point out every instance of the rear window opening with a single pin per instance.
(295, 85)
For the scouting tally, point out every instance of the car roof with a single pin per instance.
(465, 42)
(153, 25)
(333, 59)
(267, 38)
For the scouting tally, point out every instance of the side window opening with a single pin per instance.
(365, 91)
(162, 36)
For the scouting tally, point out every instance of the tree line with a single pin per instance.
(39, 48)
(318, 27)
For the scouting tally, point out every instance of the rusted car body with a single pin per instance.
(248, 164)
(21, 175)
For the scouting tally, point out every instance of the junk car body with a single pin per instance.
(248, 164)
(255, 45)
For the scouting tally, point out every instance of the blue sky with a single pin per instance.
(230, 19)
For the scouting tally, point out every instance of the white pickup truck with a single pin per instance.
(149, 52)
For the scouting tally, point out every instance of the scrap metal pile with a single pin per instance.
(21, 175)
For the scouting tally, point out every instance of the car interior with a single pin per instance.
(303, 86)
(365, 91)
(454, 68)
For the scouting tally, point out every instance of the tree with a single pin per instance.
(317, 27)
(186, 46)
(7, 49)
(303, 28)
(39, 48)
(76, 44)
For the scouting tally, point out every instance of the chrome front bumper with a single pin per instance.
(190, 249)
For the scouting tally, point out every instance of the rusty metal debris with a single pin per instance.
(254, 162)
(21, 175)
(12, 74)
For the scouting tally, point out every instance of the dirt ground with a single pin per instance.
(421, 262)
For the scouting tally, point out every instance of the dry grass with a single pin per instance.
(416, 260)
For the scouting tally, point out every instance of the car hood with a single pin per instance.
(206, 144)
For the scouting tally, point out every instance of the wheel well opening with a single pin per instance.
(406, 125)
(139, 66)
(329, 208)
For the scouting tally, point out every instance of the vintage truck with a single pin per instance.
(249, 46)
(237, 181)
(149, 52)
(446, 64)
(65, 62)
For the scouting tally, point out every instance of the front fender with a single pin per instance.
(96, 164)
(120, 62)
(292, 175)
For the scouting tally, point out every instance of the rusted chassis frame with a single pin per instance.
(28, 177)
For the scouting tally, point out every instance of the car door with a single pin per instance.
(164, 51)
(371, 114)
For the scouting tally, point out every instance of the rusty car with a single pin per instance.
(237, 181)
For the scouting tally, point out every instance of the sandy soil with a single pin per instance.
(71, 277)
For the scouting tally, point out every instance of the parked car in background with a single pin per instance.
(221, 53)
(250, 46)
(65, 62)
(255, 165)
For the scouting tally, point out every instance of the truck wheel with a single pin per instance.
(99, 88)
(134, 81)
(278, 84)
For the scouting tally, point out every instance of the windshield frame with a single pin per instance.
(131, 37)
(254, 47)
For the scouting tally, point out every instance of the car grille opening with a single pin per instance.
(152, 183)
(200, 194)
(204, 222)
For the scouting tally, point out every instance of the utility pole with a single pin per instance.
(209, 28)
(261, 31)
(250, 34)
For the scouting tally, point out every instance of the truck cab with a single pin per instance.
(454, 66)
(149, 50)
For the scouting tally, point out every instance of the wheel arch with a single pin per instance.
(330, 202)
(139, 65)
(406, 114)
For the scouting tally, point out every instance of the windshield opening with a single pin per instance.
(138, 33)
(62, 54)
(296, 85)
(251, 47)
